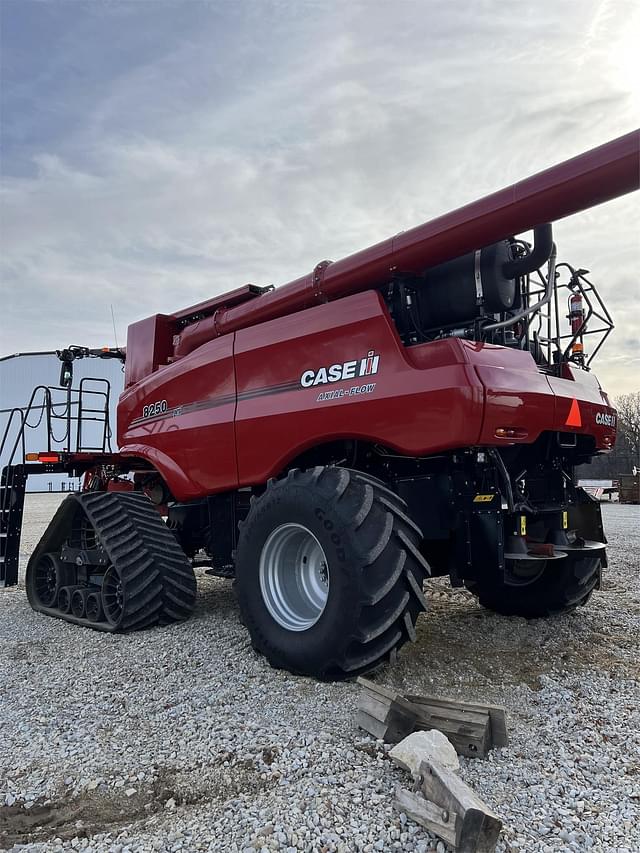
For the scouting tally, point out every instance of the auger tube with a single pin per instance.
(590, 179)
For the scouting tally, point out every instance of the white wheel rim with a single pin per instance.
(294, 577)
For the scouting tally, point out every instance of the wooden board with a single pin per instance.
(373, 706)
(472, 728)
(427, 814)
(397, 725)
(499, 736)
(477, 828)
(371, 725)
(472, 741)
(380, 689)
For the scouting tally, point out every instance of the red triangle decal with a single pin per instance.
(574, 419)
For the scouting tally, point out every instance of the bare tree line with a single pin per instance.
(626, 454)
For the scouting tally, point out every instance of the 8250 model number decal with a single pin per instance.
(152, 409)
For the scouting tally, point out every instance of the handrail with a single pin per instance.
(53, 410)
(106, 435)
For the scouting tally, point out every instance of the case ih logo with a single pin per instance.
(605, 419)
(337, 372)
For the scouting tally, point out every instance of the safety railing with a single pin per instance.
(545, 328)
(61, 416)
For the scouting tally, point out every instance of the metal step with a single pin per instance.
(587, 545)
(12, 491)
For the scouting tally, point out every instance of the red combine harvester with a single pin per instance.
(415, 409)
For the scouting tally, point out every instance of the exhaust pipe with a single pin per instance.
(539, 255)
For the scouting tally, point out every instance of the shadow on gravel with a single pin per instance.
(462, 645)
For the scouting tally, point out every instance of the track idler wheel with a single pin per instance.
(112, 597)
(131, 601)
(64, 599)
(45, 581)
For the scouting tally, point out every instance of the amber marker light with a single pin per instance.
(511, 432)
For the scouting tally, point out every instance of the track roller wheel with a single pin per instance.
(64, 599)
(94, 611)
(328, 573)
(78, 602)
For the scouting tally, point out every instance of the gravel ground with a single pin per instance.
(182, 738)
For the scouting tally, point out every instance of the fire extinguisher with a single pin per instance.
(576, 319)
(576, 311)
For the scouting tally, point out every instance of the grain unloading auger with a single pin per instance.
(416, 408)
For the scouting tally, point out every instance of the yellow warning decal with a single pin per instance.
(482, 499)
(565, 520)
(523, 525)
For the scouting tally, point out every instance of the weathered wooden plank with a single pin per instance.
(387, 692)
(401, 721)
(427, 814)
(370, 724)
(472, 728)
(384, 693)
(375, 707)
(478, 828)
(452, 703)
(467, 740)
(443, 712)
(398, 725)
(499, 735)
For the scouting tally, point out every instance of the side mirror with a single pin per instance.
(66, 374)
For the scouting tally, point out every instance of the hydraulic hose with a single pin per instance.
(551, 278)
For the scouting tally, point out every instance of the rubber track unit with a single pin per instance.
(386, 571)
(156, 575)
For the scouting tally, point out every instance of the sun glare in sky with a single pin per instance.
(625, 57)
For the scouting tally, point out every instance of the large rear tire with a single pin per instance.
(329, 573)
(560, 586)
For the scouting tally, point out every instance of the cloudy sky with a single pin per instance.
(157, 152)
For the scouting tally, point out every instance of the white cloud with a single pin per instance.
(248, 145)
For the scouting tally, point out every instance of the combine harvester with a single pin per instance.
(415, 409)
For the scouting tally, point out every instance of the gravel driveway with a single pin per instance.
(181, 738)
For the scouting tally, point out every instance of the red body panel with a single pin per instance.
(149, 345)
(240, 397)
(410, 410)
(192, 443)
(519, 396)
